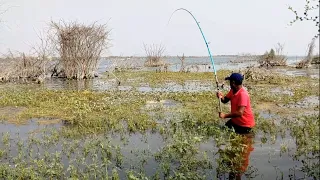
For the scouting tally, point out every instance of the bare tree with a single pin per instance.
(17, 65)
(154, 55)
(311, 13)
(306, 62)
(182, 59)
(7, 67)
(281, 59)
(79, 47)
(43, 51)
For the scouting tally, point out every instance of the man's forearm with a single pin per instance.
(233, 115)
(224, 100)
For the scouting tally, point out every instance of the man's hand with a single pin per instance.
(219, 95)
(222, 115)
(235, 114)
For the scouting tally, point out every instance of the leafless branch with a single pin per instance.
(274, 57)
(79, 47)
(154, 54)
(311, 6)
(182, 59)
(306, 62)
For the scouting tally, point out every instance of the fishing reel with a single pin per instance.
(221, 85)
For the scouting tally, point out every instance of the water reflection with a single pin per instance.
(234, 159)
(84, 84)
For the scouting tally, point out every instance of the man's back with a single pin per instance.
(241, 98)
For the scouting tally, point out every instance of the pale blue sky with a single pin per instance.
(231, 27)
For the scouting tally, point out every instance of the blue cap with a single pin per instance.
(235, 77)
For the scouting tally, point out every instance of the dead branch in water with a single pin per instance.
(79, 47)
(252, 73)
(273, 58)
(182, 59)
(44, 50)
(18, 65)
(154, 55)
(306, 62)
(34, 66)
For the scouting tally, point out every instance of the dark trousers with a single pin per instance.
(238, 129)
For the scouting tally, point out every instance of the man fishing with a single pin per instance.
(242, 121)
(242, 118)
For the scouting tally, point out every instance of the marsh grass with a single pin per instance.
(88, 111)
(52, 155)
(84, 148)
(155, 79)
(93, 112)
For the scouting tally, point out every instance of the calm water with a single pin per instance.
(219, 62)
(203, 65)
(264, 159)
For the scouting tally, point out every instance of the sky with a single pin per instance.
(231, 27)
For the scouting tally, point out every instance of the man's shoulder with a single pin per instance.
(243, 92)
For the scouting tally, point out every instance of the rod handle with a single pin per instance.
(220, 108)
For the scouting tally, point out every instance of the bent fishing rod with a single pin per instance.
(207, 45)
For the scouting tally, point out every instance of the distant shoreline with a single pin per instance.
(226, 56)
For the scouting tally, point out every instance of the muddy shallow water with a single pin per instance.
(194, 64)
(267, 160)
(264, 160)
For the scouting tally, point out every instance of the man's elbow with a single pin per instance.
(240, 114)
(224, 101)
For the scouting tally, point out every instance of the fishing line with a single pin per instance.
(209, 52)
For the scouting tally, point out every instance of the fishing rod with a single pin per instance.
(209, 52)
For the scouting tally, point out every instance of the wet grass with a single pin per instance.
(51, 155)
(87, 111)
(155, 79)
(94, 142)
(92, 111)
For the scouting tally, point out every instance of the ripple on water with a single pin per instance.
(31, 126)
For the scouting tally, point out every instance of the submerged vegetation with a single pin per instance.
(158, 79)
(156, 135)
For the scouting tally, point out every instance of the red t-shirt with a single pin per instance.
(241, 98)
